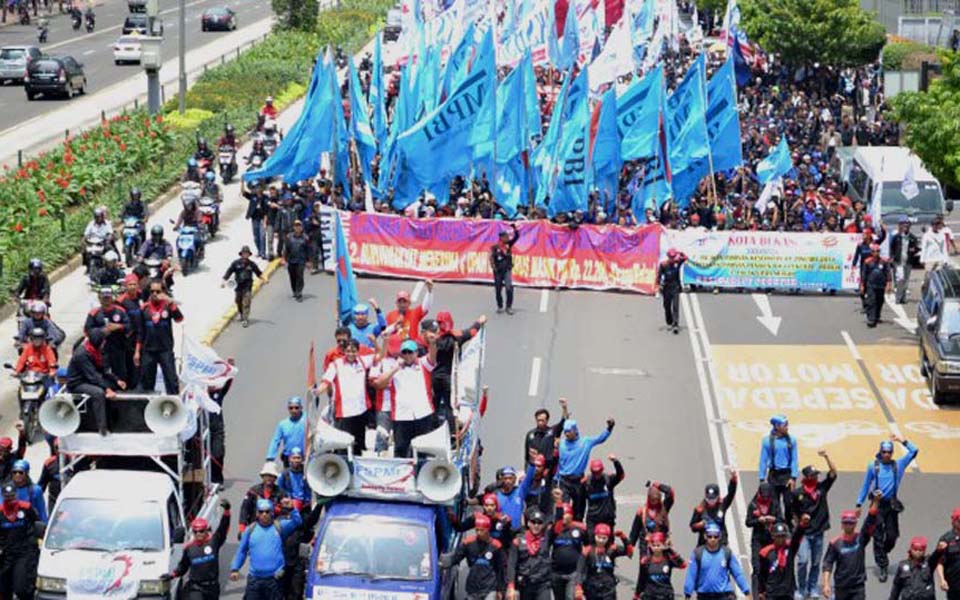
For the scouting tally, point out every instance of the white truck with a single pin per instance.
(122, 518)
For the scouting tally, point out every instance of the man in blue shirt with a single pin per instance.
(360, 326)
(290, 432)
(885, 474)
(710, 569)
(263, 543)
(574, 456)
(779, 463)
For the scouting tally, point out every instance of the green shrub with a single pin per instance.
(908, 55)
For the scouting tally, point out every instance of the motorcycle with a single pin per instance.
(76, 20)
(228, 163)
(210, 215)
(132, 237)
(42, 32)
(203, 165)
(96, 247)
(270, 144)
(91, 21)
(256, 161)
(32, 392)
(24, 13)
(187, 248)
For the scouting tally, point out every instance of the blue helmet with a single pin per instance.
(264, 504)
(62, 373)
(295, 401)
(361, 309)
(210, 176)
(191, 162)
(712, 528)
(21, 465)
(777, 420)
(886, 446)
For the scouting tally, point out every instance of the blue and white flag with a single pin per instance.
(638, 115)
(686, 119)
(574, 178)
(360, 129)
(570, 42)
(777, 164)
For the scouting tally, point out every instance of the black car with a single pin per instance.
(55, 75)
(218, 19)
(136, 22)
(137, 6)
(938, 321)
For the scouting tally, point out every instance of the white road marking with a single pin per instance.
(618, 371)
(850, 345)
(702, 356)
(417, 290)
(544, 299)
(534, 376)
(902, 319)
(766, 317)
(89, 52)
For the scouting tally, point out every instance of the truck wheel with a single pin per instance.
(936, 394)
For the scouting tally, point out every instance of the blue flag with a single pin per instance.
(723, 121)
(545, 154)
(317, 134)
(484, 130)
(510, 122)
(378, 93)
(347, 296)
(531, 101)
(574, 178)
(511, 186)
(686, 119)
(735, 43)
(360, 129)
(656, 185)
(777, 164)
(638, 115)
(457, 64)
(570, 43)
(605, 152)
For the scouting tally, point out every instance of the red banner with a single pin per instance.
(545, 255)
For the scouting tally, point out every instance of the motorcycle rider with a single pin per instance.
(268, 110)
(228, 138)
(18, 540)
(135, 207)
(76, 17)
(201, 558)
(270, 137)
(38, 356)
(210, 187)
(193, 171)
(190, 216)
(156, 247)
(111, 274)
(35, 285)
(43, 29)
(203, 151)
(257, 150)
(37, 318)
(90, 18)
(98, 227)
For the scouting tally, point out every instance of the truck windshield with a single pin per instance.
(106, 525)
(930, 199)
(375, 548)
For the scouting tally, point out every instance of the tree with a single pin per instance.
(296, 14)
(803, 32)
(931, 121)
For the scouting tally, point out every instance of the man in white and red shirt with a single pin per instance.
(410, 392)
(347, 378)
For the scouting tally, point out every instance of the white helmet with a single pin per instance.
(111, 257)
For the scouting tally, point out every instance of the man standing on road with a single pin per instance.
(776, 579)
(935, 245)
(542, 439)
(670, 283)
(87, 375)
(290, 432)
(913, 579)
(601, 505)
(19, 552)
(904, 249)
(263, 543)
(201, 558)
(410, 393)
(156, 343)
(885, 474)
(296, 251)
(811, 499)
(501, 261)
(486, 557)
(949, 567)
(267, 489)
(243, 270)
(529, 571)
(714, 509)
(710, 568)
(256, 211)
(778, 462)
(875, 284)
(574, 456)
(846, 556)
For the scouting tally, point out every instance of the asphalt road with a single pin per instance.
(608, 354)
(95, 50)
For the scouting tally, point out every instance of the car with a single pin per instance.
(14, 60)
(393, 26)
(49, 75)
(127, 49)
(137, 22)
(137, 6)
(938, 323)
(218, 19)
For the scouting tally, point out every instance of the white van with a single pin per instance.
(866, 167)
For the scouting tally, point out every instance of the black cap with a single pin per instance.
(780, 529)
(245, 250)
(711, 492)
(96, 337)
(810, 471)
(534, 514)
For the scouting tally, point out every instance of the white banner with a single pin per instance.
(386, 477)
(533, 31)
(615, 60)
(470, 370)
(201, 365)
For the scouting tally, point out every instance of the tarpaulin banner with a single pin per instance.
(764, 259)
(545, 255)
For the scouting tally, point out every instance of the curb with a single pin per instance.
(228, 316)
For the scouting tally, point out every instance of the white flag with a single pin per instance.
(201, 365)
(909, 186)
(766, 194)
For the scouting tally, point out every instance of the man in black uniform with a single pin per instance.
(714, 509)
(501, 261)
(486, 558)
(601, 505)
(130, 302)
(875, 283)
(201, 558)
(156, 341)
(668, 278)
(86, 374)
(243, 270)
(846, 556)
(596, 579)
(913, 579)
(19, 552)
(904, 248)
(449, 341)
(569, 540)
(541, 440)
(34, 285)
(776, 577)
(949, 567)
(529, 570)
(295, 253)
(112, 320)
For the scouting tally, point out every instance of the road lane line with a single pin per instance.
(89, 52)
(417, 290)
(700, 346)
(534, 376)
(887, 413)
(902, 319)
(544, 299)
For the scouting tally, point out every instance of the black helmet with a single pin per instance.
(38, 332)
(135, 193)
(156, 231)
(201, 142)
(228, 128)
(36, 264)
(780, 529)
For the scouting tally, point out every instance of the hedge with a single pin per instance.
(52, 229)
(907, 55)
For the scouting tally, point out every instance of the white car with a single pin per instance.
(127, 49)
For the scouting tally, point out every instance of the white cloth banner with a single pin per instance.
(615, 60)
(202, 366)
(470, 370)
(533, 31)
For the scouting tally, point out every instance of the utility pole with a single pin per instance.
(183, 56)
(153, 60)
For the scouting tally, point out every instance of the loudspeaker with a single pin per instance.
(327, 438)
(438, 480)
(59, 416)
(165, 415)
(436, 443)
(328, 475)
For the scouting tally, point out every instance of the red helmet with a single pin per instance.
(481, 522)
(658, 537)
(601, 529)
(567, 509)
(491, 497)
(200, 524)
(540, 461)
(596, 466)
(955, 515)
(918, 543)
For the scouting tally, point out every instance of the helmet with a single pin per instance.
(135, 193)
(111, 257)
(99, 212)
(228, 128)
(602, 529)
(36, 264)
(62, 373)
(199, 524)
(201, 142)
(780, 529)
(38, 307)
(20, 465)
(210, 176)
(189, 202)
(38, 332)
(191, 162)
(269, 100)
(156, 231)
(481, 522)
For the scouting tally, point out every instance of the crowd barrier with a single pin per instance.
(594, 257)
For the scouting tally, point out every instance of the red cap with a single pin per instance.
(200, 524)
(671, 253)
(6, 442)
(602, 529)
(491, 498)
(955, 515)
(596, 466)
(848, 516)
(403, 295)
(445, 321)
(541, 461)
(567, 509)
(481, 521)
(918, 543)
(867, 219)
(131, 278)
(658, 538)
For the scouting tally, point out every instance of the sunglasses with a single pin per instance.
(406, 352)
(264, 512)
(154, 292)
(295, 408)
(712, 537)
(536, 522)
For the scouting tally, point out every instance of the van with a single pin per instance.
(938, 323)
(864, 168)
(393, 26)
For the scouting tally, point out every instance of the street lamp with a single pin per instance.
(150, 57)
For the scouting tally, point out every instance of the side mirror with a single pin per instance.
(949, 205)
(179, 534)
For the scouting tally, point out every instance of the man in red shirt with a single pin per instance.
(269, 111)
(38, 355)
(407, 317)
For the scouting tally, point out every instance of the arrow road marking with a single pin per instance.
(902, 319)
(766, 317)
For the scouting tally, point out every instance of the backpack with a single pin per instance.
(698, 555)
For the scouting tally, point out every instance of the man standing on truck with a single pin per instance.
(201, 558)
(263, 543)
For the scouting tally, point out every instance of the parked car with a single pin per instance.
(137, 22)
(393, 26)
(60, 75)
(137, 6)
(127, 49)
(14, 60)
(219, 18)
